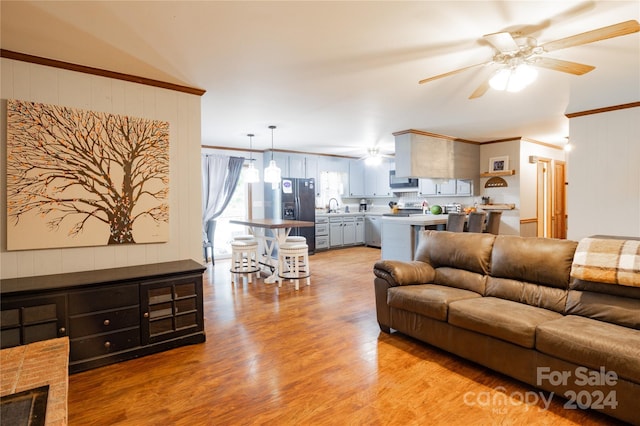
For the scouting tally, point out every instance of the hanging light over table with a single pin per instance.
(252, 174)
(272, 173)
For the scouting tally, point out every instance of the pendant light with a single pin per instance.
(252, 174)
(272, 173)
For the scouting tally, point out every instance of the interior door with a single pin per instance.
(543, 198)
(559, 201)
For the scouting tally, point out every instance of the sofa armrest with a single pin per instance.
(397, 272)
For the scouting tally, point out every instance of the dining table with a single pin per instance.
(279, 229)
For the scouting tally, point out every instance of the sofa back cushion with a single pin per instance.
(616, 304)
(540, 296)
(533, 271)
(460, 278)
(543, 261)
(461, 250)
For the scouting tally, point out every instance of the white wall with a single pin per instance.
(603, 196)
(529, 177)
(38, 83)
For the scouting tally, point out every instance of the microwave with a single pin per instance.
(401, 182)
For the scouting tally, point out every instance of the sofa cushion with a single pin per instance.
(592, 343)
(605, 307)
(462, 250)
(460, 278)
(427, 299)
(536, 295)
(544, 261)
(503, 319)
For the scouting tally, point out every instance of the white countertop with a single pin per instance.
(419, 220)
(356, 213)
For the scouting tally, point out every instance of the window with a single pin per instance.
(225, 231)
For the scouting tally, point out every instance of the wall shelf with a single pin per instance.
(503, 173)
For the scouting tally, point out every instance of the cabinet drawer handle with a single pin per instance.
(146, 315)
(62, 330)
(107, 345)
(106, 322)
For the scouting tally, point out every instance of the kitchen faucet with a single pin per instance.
(329, 209)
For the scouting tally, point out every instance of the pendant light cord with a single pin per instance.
(272, 127)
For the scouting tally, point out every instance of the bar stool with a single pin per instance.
(296, 239)
(476, 221)
(293, 263)
(244, 259)
(493, 222)
(455, 222)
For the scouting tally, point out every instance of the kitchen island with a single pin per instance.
(400, 234)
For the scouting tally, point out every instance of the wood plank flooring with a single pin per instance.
(314, 357)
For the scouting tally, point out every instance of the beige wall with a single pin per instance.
(38, 83)
(510, 220)
(603, 196)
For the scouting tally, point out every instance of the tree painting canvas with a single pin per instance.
(82, 178)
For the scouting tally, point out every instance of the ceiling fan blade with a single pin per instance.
(426, 80)
(564, 66)
(504, 42)
(481, 90)
(616, 30)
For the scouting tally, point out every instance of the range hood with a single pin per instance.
(426, 155)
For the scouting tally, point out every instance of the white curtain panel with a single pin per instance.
(214, 170)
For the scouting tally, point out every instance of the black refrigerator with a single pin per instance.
(294, 199)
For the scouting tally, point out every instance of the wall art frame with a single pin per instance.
(80, 178)
(499, 164)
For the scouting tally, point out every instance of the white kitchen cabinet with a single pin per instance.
(335, 232)
(434, 187)
(464, 187)
(296, 166)
(356, 178)
(376, 182)
(427, 187)
(322, 233)
(348, 231)
(447, 187)
(311, 167)
(360, 230)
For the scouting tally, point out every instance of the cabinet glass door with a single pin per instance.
(170, 309)
(31, 320)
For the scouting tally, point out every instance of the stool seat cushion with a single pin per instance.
(293, 246)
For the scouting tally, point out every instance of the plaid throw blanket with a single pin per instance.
(608, 261)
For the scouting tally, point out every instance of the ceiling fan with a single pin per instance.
(516, 55)
(374, 156)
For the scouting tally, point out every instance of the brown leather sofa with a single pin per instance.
(509, 303)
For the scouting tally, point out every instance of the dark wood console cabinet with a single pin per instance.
(110, 315)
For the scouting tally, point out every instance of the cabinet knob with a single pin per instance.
(62, 330)
(107, 344)
(106, 322)
(146, 315)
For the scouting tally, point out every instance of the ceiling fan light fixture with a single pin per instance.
(374, 158)
(513, 79)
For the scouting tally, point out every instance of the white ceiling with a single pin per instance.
(338, 77)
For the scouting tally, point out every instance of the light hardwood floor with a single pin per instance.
(310, 357)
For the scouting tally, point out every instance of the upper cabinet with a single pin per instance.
(297, 166)
(376, 179)
(451, 187)
(356, 178)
